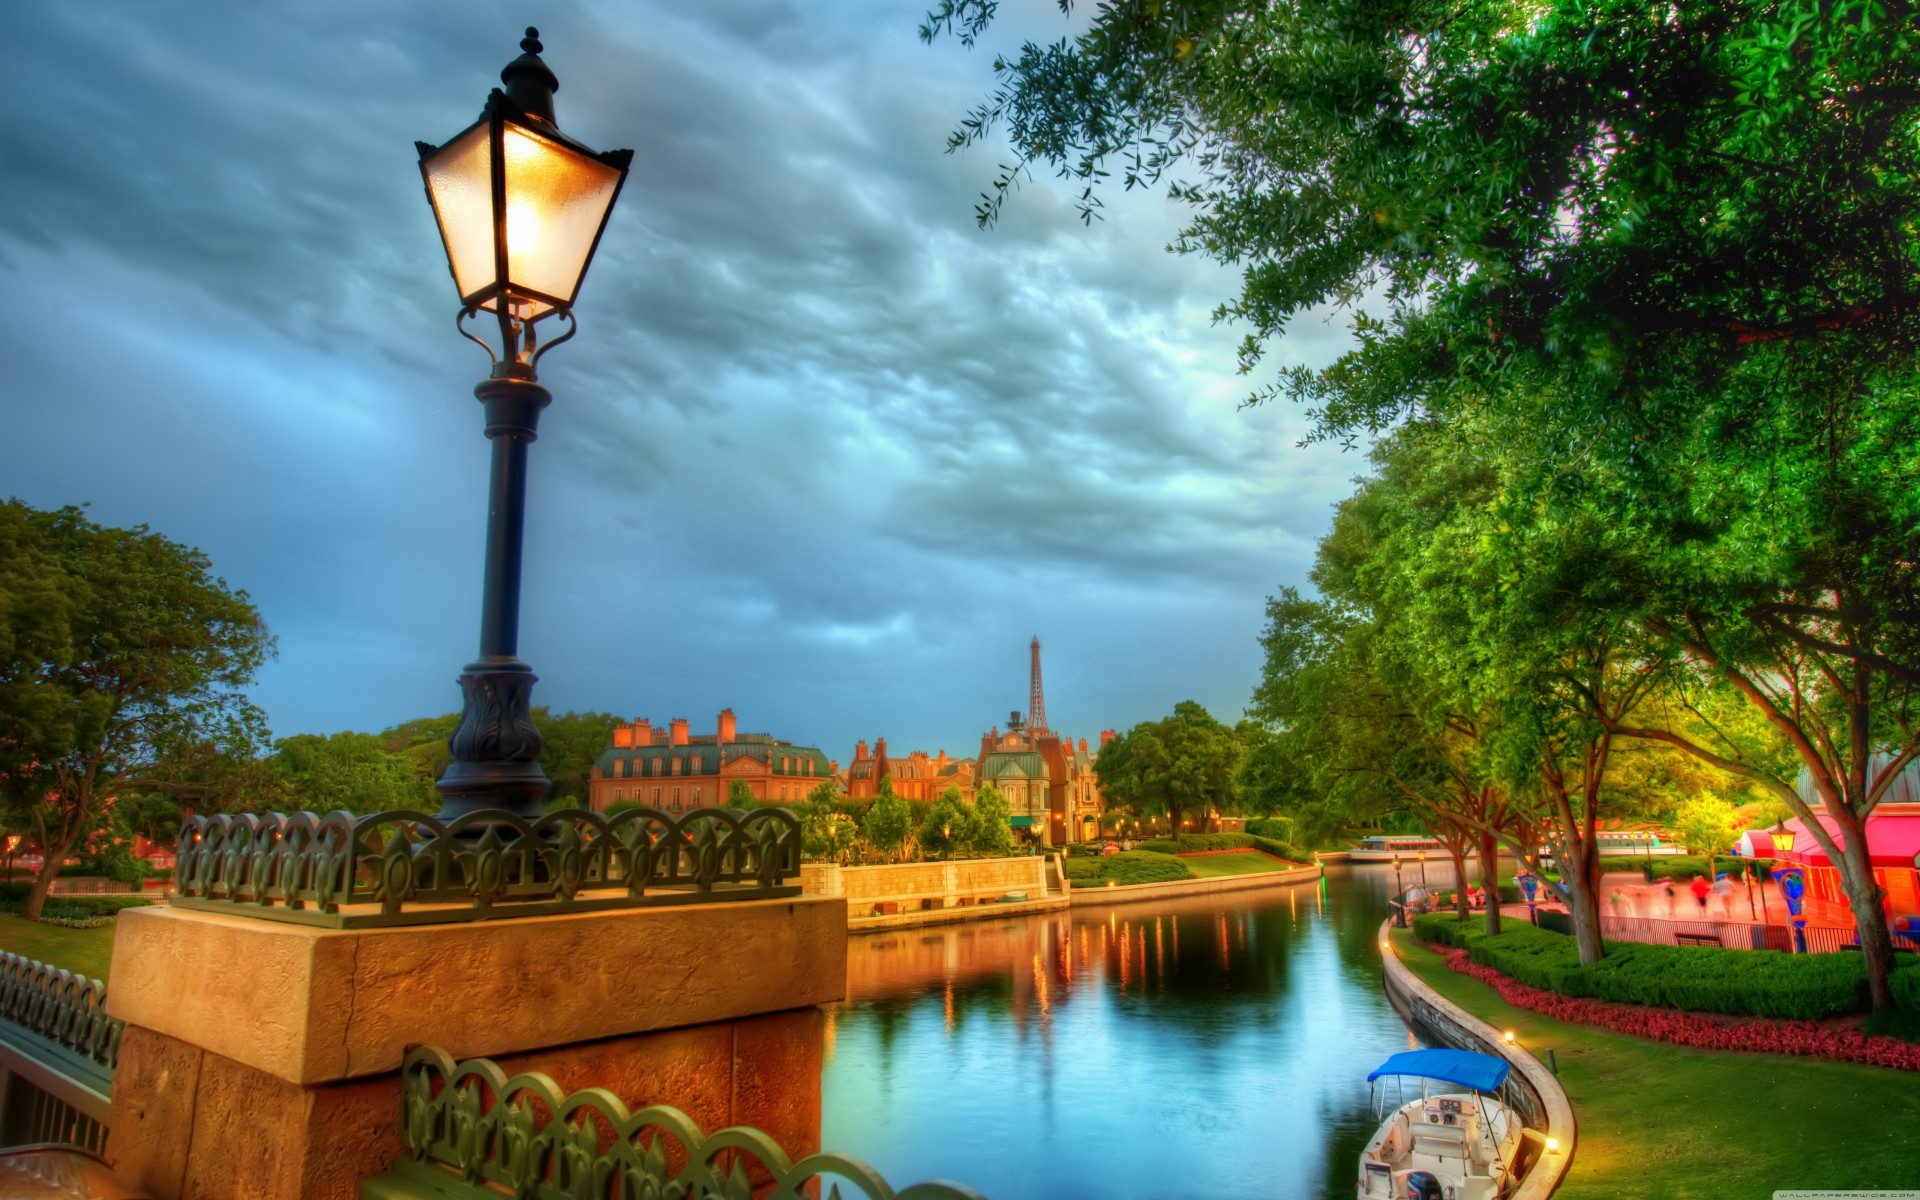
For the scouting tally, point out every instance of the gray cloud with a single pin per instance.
(823, 450)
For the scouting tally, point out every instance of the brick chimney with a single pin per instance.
(623, 738)
(1083, 745)
(677, 732)
(1107, 735)
(860, 750)
(724, 727)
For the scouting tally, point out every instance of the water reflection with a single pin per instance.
(1212, 1047)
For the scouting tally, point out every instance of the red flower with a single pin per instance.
(1767, 1035)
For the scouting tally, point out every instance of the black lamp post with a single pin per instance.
(521, 207)
(1423, 870)
(1399, 894)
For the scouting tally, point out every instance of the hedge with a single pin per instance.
(1761, 983)
(1200, 842)
(13, 895)
(1280, 829)
(1128, 866)
(1686, 866)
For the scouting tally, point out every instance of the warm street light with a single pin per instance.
(521, 207)
(1400, 894)
(1783, 838)
(1423, 870)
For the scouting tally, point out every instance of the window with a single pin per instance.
(696, 797)
(676, 799)
(656, 797)
(619, 794)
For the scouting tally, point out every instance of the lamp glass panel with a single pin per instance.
(556, 201)
(460, 179)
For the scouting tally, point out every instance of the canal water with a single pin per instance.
(1214, 1047)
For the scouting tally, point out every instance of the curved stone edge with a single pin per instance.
(1128, 893)
(1548, 1172)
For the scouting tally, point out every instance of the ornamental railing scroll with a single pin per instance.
(405, 868)
(470, 1131)
(60, 1006)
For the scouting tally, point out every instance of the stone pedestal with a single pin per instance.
(261, 1059)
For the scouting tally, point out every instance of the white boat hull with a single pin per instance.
(1468, 1143)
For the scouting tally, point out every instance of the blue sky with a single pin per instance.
(823, 450)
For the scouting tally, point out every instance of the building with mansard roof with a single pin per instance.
(674, 770)
(918, 776)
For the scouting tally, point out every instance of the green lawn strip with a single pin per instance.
(87, 951)
(1661, 1121)
(1245, 862)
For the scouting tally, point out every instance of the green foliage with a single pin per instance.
(1182, 764)
(950, 827)
(120, 653)
(740, 795)
(1192, 843)
(347, 772)
(1763, 983)
(1128, 866)
(1705, 826)
(1280, 829)
(888, 822)
(992, 828)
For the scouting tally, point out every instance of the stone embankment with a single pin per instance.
(934, 893)
(1128, 893)
(1540, 1099)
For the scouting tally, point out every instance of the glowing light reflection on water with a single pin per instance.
(1212, 1047)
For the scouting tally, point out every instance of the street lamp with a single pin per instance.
(1423, 870)
(1400, 894)
(521, 207)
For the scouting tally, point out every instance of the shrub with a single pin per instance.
(1686, 866)
(1082, 869)
(1761, 983)
(1144, 866)
(76, 912)
(1129, 866)
(1280, 829)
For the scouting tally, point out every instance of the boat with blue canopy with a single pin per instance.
(1453, 1140)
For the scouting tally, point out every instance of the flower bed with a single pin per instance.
(1762, 1035)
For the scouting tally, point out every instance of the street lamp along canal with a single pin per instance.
(1399, 895)
(521, 207)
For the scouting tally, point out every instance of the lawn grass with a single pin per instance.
(1670, 1123)
(1241, 862)
(88, 951)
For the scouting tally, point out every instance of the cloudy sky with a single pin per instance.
(823, 451)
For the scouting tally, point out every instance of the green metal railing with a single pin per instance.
(58, 1049)
(405, 868)
(471, 1132)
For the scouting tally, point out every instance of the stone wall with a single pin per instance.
(1531, 1090)
(913, 886)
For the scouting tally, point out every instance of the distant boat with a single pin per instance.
(1446, 1143)
(1387, 847)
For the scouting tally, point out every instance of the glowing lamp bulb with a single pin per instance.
(1507, 1037)
(1553, 1143)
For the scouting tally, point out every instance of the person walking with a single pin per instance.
(1672, 898)
(1700, 888)
(1723, 888)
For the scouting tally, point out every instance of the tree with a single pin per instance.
(346, 772)
(571, 744)
(1181, 764)
(740, 794)
(1705, 826)
(949, 826)
(993, 823)
(1599, 191)
(826, 833)
(888, 820)
(142, 651)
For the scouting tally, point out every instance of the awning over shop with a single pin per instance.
(1020, 822)
(1893, 840)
